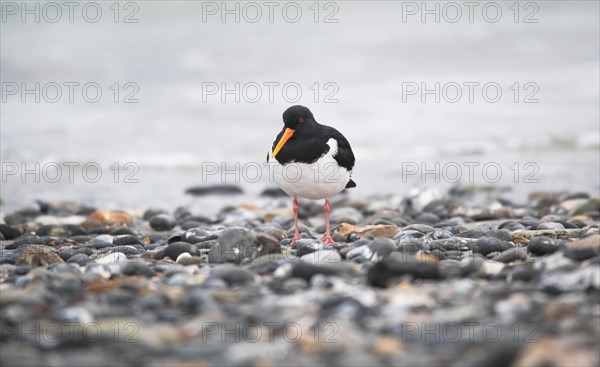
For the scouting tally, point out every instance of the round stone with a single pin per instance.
(177, 248)
(542, 245)
(550, 225)
(162, 222)
(487, 245)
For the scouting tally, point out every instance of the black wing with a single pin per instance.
(344, 156)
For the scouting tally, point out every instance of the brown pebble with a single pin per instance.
(517, 238)
(37, 255)
(107, 217)
(379, 230)
(387, 346)
(557, 311)
(102, 286)
(592, 241)
(548, 351)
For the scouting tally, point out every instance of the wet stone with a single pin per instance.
(550, 225)
(530, 223)
(363, 251)
(175, 249)
(232, 274)
(511, 226)
(197, 235)
(511, 255)
(423, 228)
(525, 273)
(191, 260)
(439, 235)
(136, 268)
(234, 245)
(345, 215)
(8, 256)
(127, 250)
(189, 224)
(569, 225)
(126, 239)
(582, 253)
(385, 271)
(450, 244)
(22, 269)
(412, 246)
(22, 216)
(151, 212)
(79, 239)
(267, 264)
(503, 235)
(162, 222)
(388, 222)
(543, 245)
(486, 245)
(222, 189)
(381, 247)
(79, 259)
(409, 235)
(9, 232)
(289, 286)
(306, 246)
(29, 239)
(306, 270)
(194, 302)
(473, 233)
(427, 218)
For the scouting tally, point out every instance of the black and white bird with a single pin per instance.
(312, 161)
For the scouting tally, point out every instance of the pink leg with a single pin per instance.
(296, 231)
(327, 236)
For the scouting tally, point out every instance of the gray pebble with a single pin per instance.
(175, 249)
(511, 255)
(126, 239)
(486, 245)
(543, 245)
(136, 268)
(232, 274)
(162, 222)
(80, 259)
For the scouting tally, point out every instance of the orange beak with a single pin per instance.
(286, 136)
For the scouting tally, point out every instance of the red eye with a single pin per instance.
(300, 119)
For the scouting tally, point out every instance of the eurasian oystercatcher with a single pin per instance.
(313, 161)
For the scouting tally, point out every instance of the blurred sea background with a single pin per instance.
(368, 54)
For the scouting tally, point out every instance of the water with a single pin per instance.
(176, 130)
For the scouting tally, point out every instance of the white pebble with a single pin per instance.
(112, 258)
(182, 256)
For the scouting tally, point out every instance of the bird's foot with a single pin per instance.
(326, 239)
(296, 238)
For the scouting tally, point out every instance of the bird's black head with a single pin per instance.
(296, 117)
(299, 122)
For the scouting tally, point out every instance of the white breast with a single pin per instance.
(321, 179)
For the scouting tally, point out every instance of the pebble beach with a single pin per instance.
(142, 217)
(458, 278)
